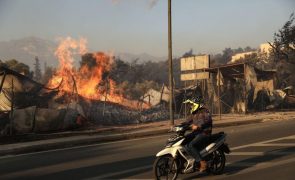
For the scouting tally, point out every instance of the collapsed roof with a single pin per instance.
(22, 90)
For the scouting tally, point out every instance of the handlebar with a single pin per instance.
(180, 128)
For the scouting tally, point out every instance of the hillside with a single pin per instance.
(25, 50)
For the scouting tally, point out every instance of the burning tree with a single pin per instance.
(92, 79)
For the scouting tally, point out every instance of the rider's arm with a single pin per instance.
(204, 120)
(188, 121)
(194, 124)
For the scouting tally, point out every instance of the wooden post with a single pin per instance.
(75, 90)
(185, 106)
(105, 98)
(213, 90)
(162, 91)
(174, 100)
(2, 81)
(219, 103)
(245, 90)
(204, 87)
(12, 104)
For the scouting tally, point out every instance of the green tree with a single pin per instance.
(248, 48)
(238, 50)
(284, 42)
(283, 53)
(188, 54)
(226, 56)
(37, 71)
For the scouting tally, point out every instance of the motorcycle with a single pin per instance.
(173, 159)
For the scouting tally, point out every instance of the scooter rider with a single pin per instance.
(201, 123)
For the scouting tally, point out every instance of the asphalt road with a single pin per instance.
(259, 151)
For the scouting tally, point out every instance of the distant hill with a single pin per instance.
(25, 50)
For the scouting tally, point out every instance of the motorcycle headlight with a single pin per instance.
(177, 129)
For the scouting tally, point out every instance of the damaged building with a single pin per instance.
(27, 106)
(232, 88)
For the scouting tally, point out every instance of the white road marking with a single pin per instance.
(250, 167)
(258, 153)
(258, 166)
(64, 166)
(86, 162)
(277, 144)
(262, 142)
(83, 146)
(129, 140)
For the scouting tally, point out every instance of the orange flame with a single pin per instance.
(90, 82)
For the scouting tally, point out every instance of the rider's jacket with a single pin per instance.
(203, 119)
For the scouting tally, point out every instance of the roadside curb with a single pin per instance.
(238, 123)
(94, 138)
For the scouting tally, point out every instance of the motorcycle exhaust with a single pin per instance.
(212, 147)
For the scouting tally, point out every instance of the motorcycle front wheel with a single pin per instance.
(165, 167)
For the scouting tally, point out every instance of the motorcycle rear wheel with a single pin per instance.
(165, 167)
(218, 162)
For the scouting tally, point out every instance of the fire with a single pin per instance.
(91, 82)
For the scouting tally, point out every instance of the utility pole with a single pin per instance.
(170, 65)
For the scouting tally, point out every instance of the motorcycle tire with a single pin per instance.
(165, 166)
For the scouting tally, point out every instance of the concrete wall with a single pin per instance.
(241, 56)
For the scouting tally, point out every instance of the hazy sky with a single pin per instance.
(138, 26)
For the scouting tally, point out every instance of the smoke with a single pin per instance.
(152, 3)
(115, 2)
